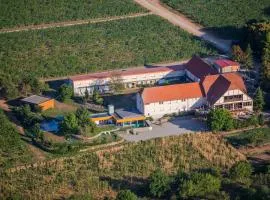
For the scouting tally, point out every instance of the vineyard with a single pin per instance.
(29, 12)
(13, 150)
(104, 172)
(103, 46)
(223, 17)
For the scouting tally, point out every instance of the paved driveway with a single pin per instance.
(177, 126)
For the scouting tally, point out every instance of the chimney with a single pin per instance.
(110, 109)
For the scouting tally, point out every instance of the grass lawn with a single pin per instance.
(28, 12)
(223, 17)
(95, 47)
(254, 137)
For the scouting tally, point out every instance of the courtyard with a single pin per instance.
(177, 126)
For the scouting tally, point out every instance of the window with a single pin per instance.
(249, 103)
(161, 102)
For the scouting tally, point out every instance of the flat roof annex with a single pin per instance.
(128, 72)
(35, 99)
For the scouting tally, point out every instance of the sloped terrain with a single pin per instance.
(103, 172)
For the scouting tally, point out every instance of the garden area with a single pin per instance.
(95, 47)
(31, 12)
(226, 18)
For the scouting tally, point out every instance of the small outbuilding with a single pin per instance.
(225, 66)
(44, 103)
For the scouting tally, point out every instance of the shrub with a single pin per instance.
(199, 185)
(159, 183)
(241, 171)
(126, 195)
(69, 125)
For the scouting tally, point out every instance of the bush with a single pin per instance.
(159, 183)
(220, 120)
(241, 171)
(65, 92)
(69, 125)
(126, 195)
(199, 185)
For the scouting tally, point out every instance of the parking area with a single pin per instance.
(177, 126)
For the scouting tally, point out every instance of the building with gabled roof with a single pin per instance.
(213, 91)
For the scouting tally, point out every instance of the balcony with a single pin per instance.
(233, 98)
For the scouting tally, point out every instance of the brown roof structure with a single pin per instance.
(214, 86)
(198, 67)
(171, 92)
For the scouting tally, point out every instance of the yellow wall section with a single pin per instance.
(47, 104)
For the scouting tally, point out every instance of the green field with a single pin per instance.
(223, 17)
(104, 172)
(13, 150)
(28, 12)
(102, 46)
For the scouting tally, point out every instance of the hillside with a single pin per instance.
(104, 172)
(30, 12)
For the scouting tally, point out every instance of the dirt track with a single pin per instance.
(71, 23)
(184, 23)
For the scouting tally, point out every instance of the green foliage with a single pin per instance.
(82, 115)
(159, 183)
(255, 137)
(199, 185)
(97, 98)
(249, 58)
(35, 133)
(241, 171)
(26, 117)
(220, 120)
(69, 125)
(65, 92)
(7, 88)
(258, 100)
(225, 17)
(238, 54)
(15, 13)
(126, 195)
(13, 150)
(95, 47)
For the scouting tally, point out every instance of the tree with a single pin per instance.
(258, 100)
(86, 95)
(82, 115)
(220, 120)
(65, 92)
(69, 125)
(126, 195)
(249, 58)
(199, 185)
(266, 63)
(241, 171)
(238, 54)
(30, 84)
(7, 87)
(35, 133)
(116, 83)
(97, 98)
(159, 183)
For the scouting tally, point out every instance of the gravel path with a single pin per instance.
(71, 23)
(184, 23)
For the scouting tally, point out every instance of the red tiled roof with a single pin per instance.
(171, 92)
(215, 86)
(127, 72)
(199, 68)
(226, 63)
